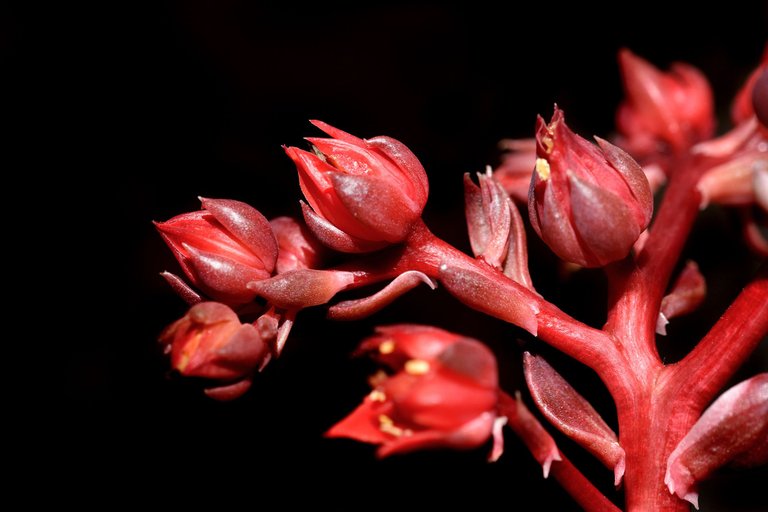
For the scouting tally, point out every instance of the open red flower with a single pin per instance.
(444, 392)
(589, 204)
(364, 194)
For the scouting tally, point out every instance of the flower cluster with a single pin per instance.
(592, 203)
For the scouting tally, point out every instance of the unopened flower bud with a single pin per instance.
(222, 248)
(362, 194)
(588, 203)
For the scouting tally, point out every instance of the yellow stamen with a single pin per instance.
(387, 426)
(416, 367)
(377, 396)
(542, 169)
(387, 347)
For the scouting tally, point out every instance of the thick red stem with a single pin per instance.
(651, 423)
(588, 345)
(726, 346)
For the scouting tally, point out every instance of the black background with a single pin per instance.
(136, 110)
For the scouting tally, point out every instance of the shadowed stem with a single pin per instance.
(545, 451)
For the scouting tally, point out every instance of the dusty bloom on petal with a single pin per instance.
(673, 108)
(222, 248)
(363, 194)
(588, 203)
(210, 342)
(444, 392)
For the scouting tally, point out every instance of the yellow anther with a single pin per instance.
(416, 367)
(377, 395)
(542, 169)
(387, 347)
(387, 426)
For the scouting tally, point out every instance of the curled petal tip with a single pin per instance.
(618, 470)
(553, 456)
(361, 308)
(498, 438)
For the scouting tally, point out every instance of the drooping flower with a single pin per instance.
(363, 194)
(588, 203)
(211, 343)
(444, 392)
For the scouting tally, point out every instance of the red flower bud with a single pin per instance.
(297, 248)
(210, 342)
(673, 108)
(222, 248)
(364, 194)
(496, 231)
(444, 394)
(589, 204)
(743, 106)
(760, 98)
(733, 429)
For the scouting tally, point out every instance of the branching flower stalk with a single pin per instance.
(247, 278)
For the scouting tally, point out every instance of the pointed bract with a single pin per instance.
(567, 410)
(733, 429)
(493, 297)
(688, 292)
(299, 289)
(361, 308)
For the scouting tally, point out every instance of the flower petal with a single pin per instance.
(248, 225)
